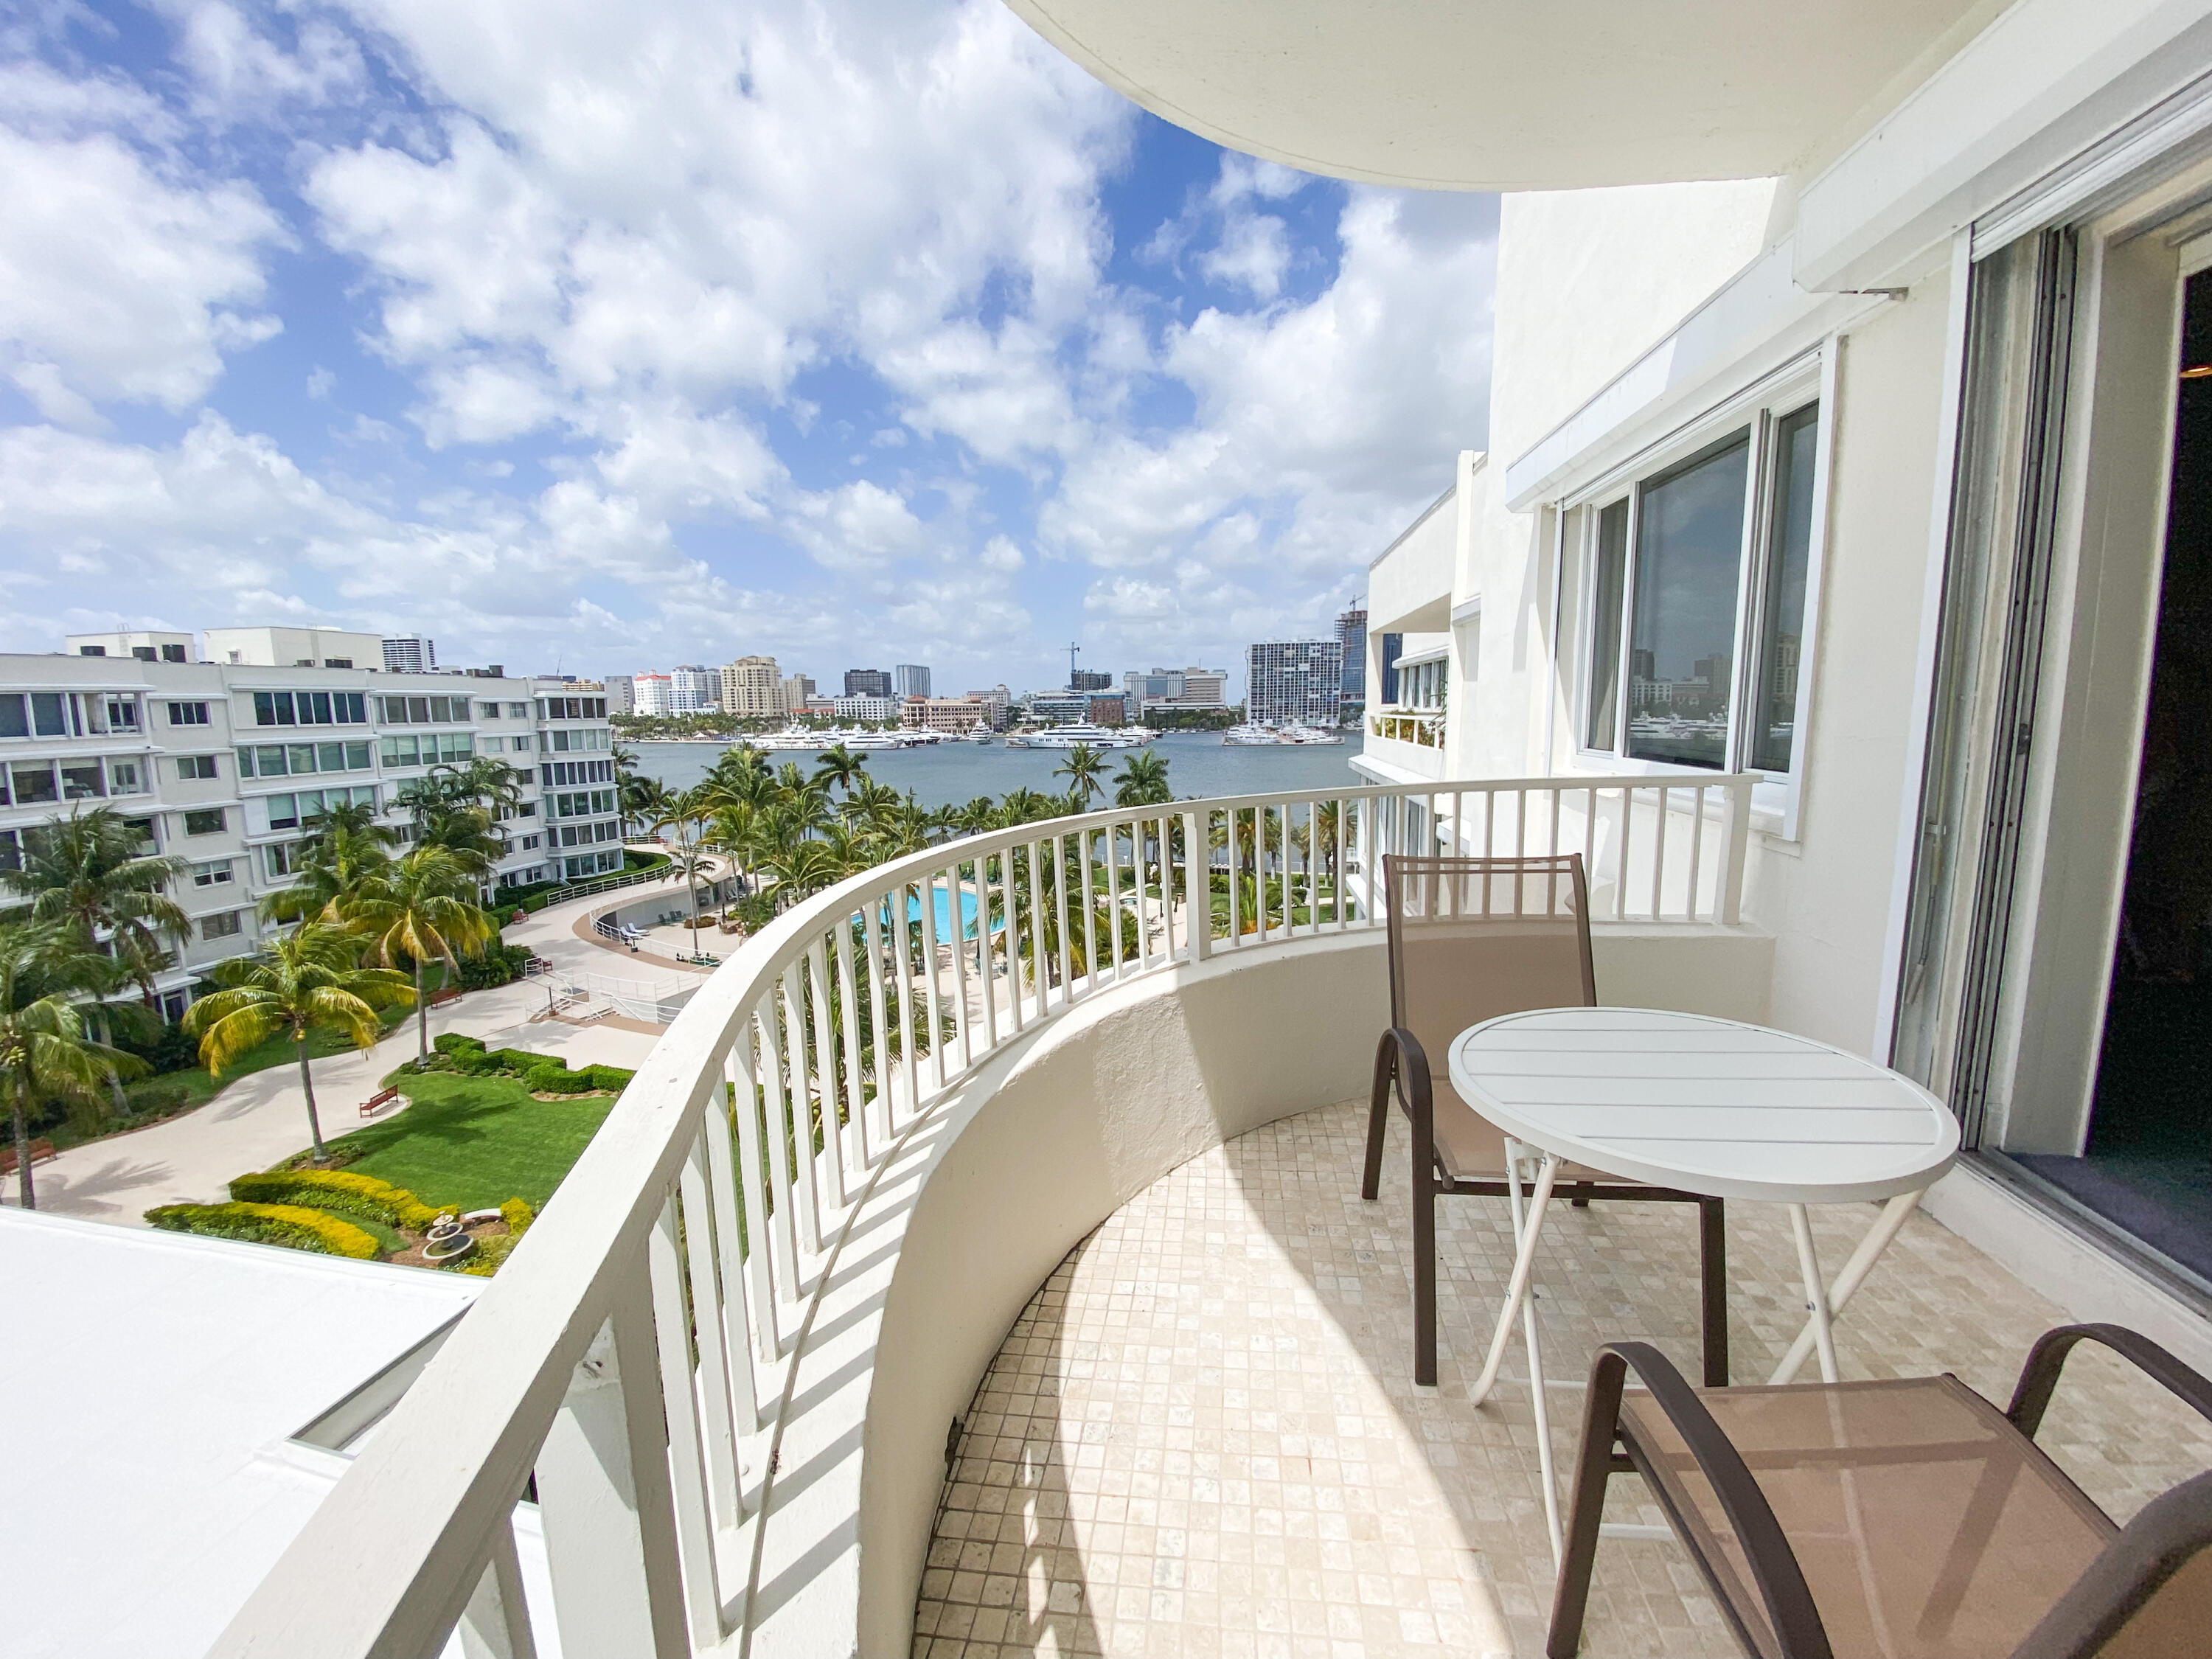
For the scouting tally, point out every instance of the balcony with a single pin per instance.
(978, 1262)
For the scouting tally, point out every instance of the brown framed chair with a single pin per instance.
(1906, 1518)
(1471, 938)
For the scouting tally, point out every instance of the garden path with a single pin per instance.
(262, 1118)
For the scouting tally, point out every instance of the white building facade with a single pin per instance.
(752, 689)
(231, 766)
(1294, 681)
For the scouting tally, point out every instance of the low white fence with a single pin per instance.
(625, 1370)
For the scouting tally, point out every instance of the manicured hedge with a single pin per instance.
(545, 1073)
(337, 1190)
(290, 1225)
(518, 1215)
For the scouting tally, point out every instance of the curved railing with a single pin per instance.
(621, 1384)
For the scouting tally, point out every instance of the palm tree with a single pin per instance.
(1082, 768)
(644, 801)
(690, 862)
(420, 907)
(481, 780)
(304, 981)
(86, 873)
(337, 859)
(1143, 780)
(842, 766)
(46, 1052)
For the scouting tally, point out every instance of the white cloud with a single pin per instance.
(117, 283)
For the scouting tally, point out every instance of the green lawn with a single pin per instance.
(475, 1141)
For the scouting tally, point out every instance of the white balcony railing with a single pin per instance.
(621, 1390)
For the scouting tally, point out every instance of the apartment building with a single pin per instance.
(1295, 681)
(406, 653)
(876, 709)
(231, 765)
(1352, 634)
(995, 701)
(1176, 688)
(752, 689)
(956, 715)
(867, 683)
(909, 679)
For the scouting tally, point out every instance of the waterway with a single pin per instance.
(953, 774)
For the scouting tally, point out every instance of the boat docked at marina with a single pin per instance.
(1082, 732)
(1249, 735)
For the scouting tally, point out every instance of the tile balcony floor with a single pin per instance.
(1201, 1437)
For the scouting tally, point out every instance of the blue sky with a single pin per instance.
(613, 337)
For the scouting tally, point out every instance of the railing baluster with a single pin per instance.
(1620, 866)
(1064, 912)
(1039, 956)
(1693, 908)
(801, 1119)
(1235, 884)
(495, 1624)
(825, 1074)
(932, 994)
(748, 1301)
(1659, 858)
(679, 1394)
(1090, 912)
(747, 1068)
(1166, 822)
(855, 1090)
(1197, 890)
(1343, 811)
(955, 914)
(882, 1017)
(1733, 852)
(710, 1328)
(777, 1144)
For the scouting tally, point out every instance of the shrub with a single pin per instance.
(335, 1189)
(555, 1078)
(452, 1042)
(518, 1215)
(611, 1078)
(154, 1097)
(169, 1049)
(502, 964)
(290, 1225)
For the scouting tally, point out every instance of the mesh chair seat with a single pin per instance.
(1926, 1525)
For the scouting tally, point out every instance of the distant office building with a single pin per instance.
(1295, 680)
(752, 689)
(816, 705)
(1105, 707)
(1089, 679)
(995, 702)
(406, 653)
(867, 683)
(1352, 634)
(798, 692)
(654, 695)
(909, 679)
(622, 695)
(140, 646)
(954, 714)
(1176, 688)
(1059, 707)
(873, 709)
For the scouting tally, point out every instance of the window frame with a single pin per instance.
(1758, 412)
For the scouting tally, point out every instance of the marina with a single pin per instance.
(951, 774)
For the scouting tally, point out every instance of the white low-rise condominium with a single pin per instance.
(230, 766)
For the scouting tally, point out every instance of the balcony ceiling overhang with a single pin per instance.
(1508, 94)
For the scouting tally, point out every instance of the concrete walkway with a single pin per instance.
(261, 1118)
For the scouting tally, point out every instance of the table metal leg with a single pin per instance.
(1524, 1256)
(1816, 1293)
(1539, 1400)
(1895, 1214)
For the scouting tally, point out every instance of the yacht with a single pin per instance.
(981, 733)
(1298, 731)
(1098, 736)
(1249, 735)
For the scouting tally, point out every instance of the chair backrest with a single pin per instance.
(2148, 1595)
(1472, 938)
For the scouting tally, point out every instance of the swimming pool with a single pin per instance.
(943, 917)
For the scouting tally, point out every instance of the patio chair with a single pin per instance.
(1906, 1518)
(1471, 938)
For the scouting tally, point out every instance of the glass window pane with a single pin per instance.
(270, 760)
(1782, 616)
(1609, 583)
(302, 757)
(1689, 550)
(13, 723)
(47, 714)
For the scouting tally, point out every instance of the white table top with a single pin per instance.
(1708, 1105)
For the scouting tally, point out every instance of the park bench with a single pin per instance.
(40, 1151)
(376, 1103)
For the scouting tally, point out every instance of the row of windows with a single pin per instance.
(584, 835)
(35, 783)
(569, 772)
(281, 760)
(427, 749)
(66, 714)
(582, 804)
(188, 714)
(310, 708)
(573, 709)
(429, 711)
(214, 873)
(561, 742)
(308, 806)
(591, 864)
(1681, 600)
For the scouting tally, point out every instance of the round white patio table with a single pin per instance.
(1705, 1105)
